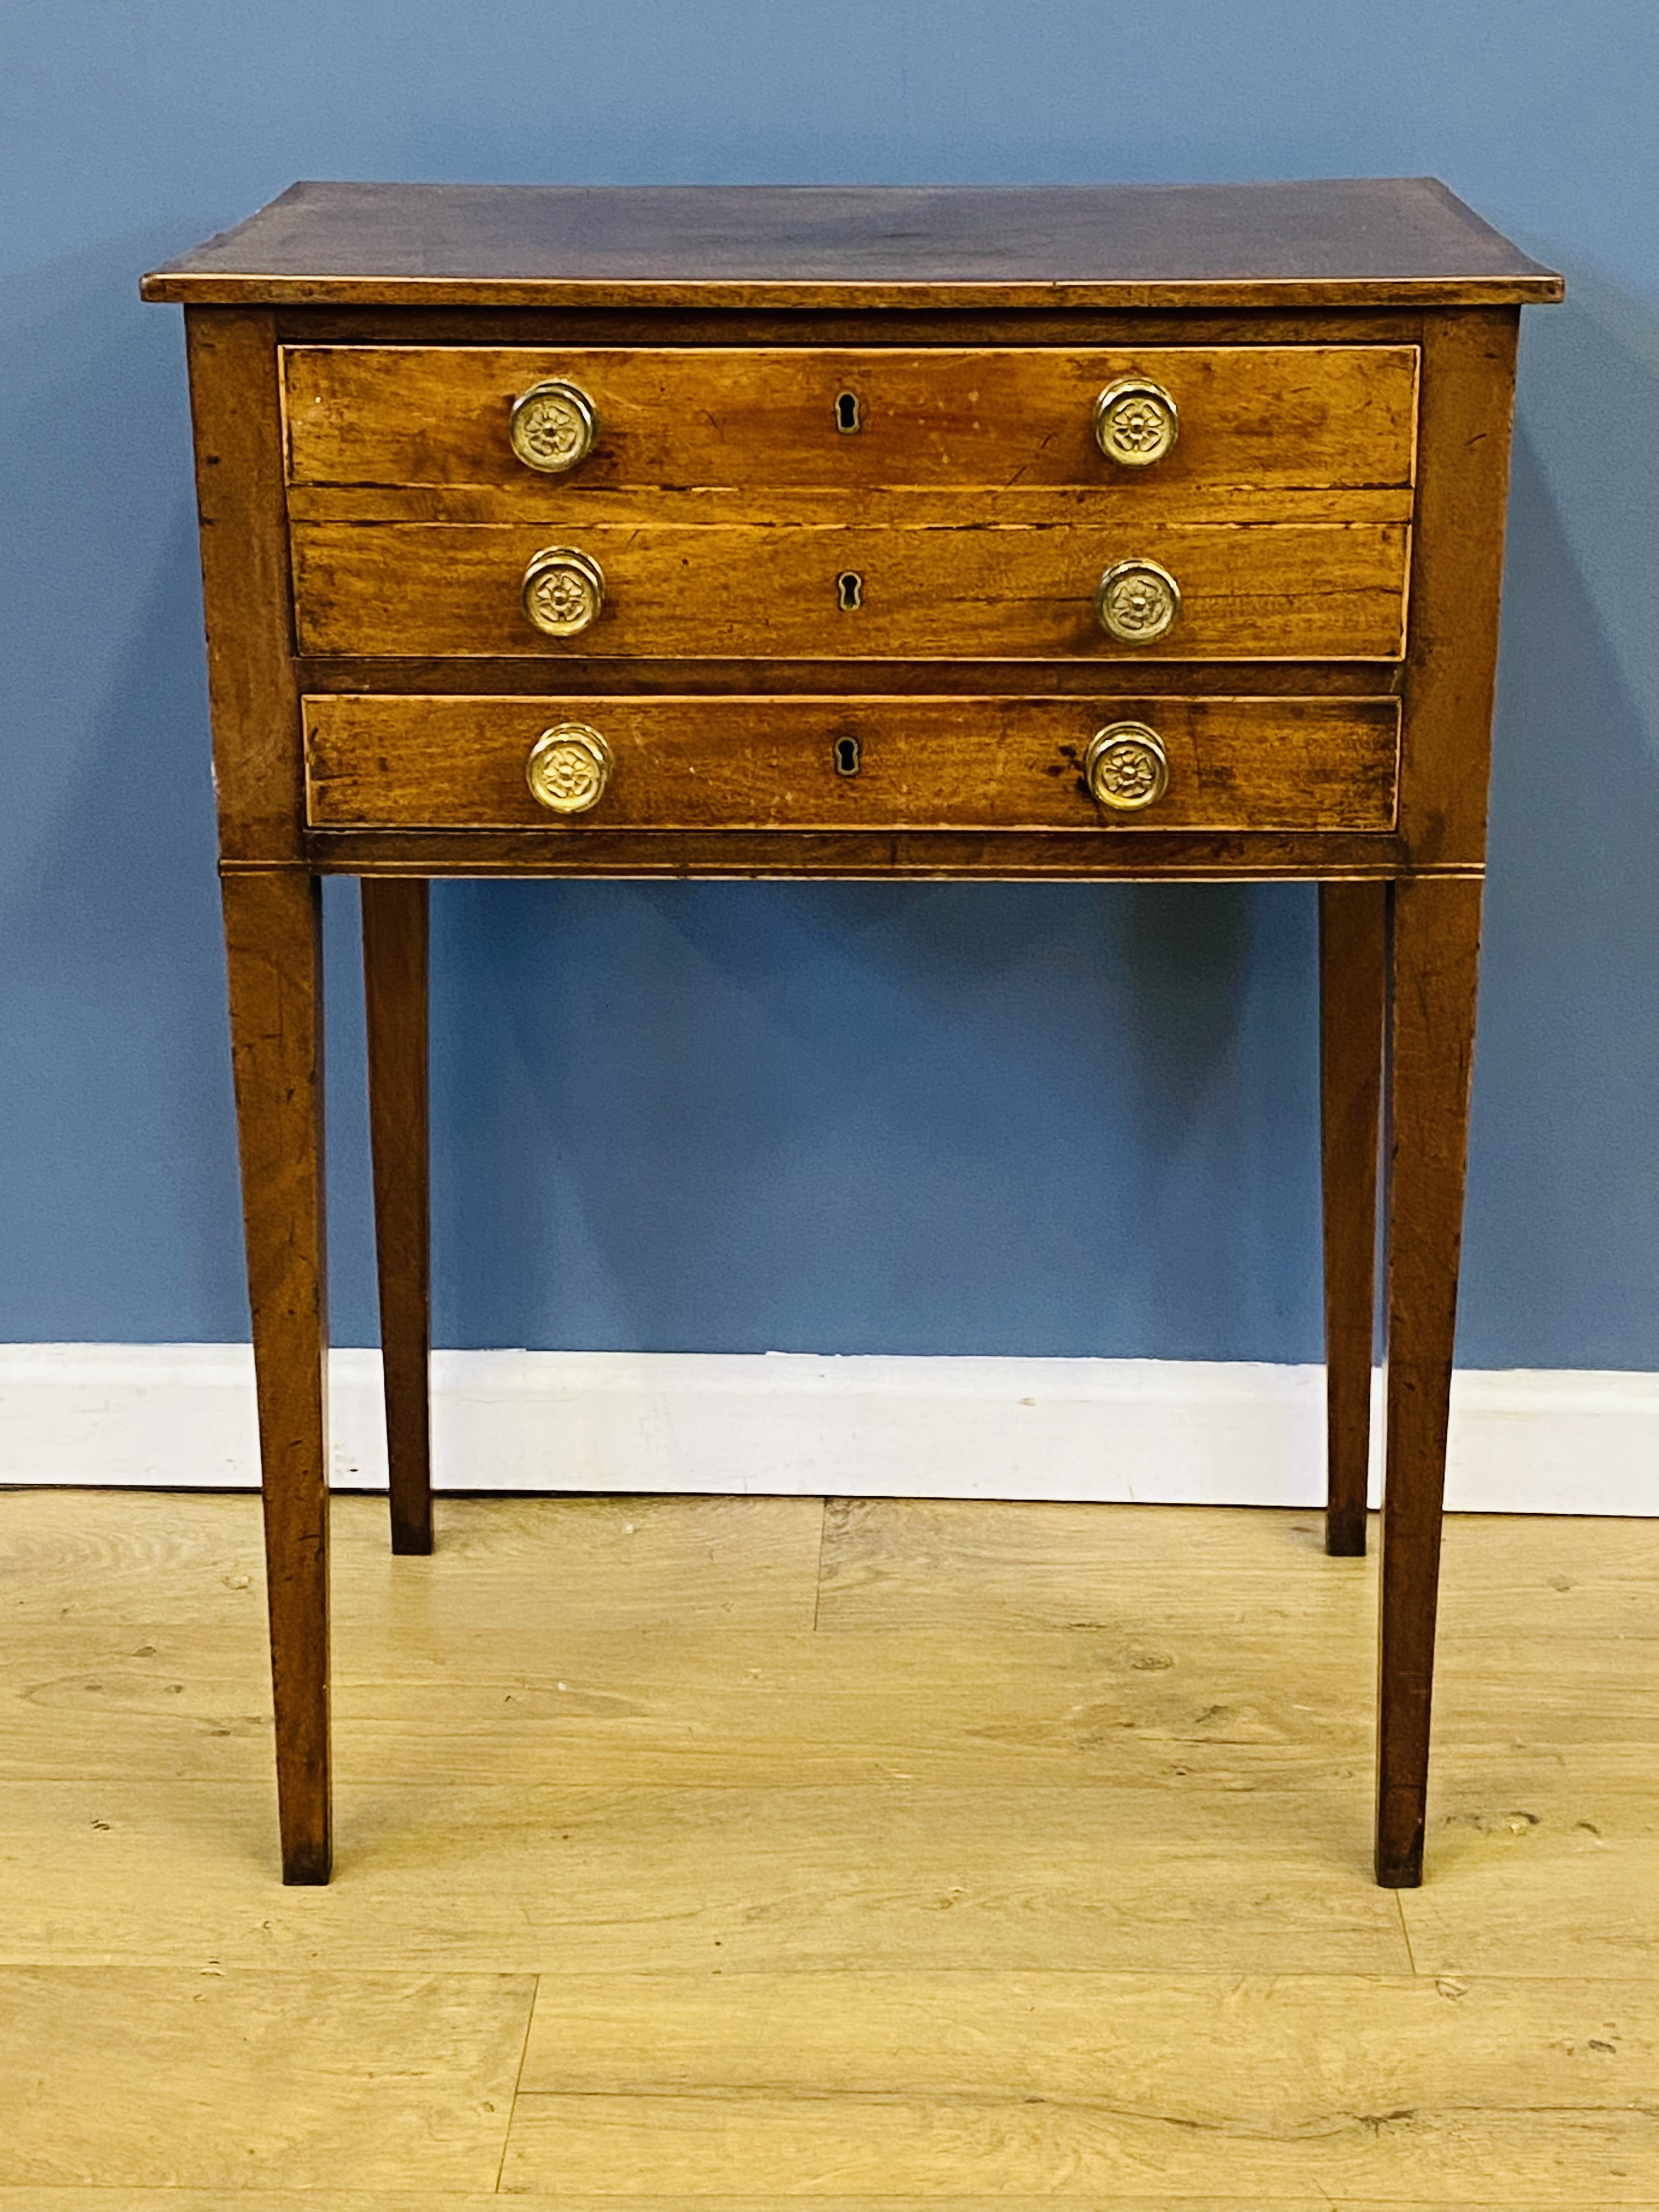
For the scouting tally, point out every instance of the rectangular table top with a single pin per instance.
(1384, 242)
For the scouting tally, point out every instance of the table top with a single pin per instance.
(1392, 242)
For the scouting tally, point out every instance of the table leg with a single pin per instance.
(273, 939)
(1435, 947)
(395, 986)
(1352, 992)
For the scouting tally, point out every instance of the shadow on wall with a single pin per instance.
(117, 1169)
(943, 1118)
(1562, 1240)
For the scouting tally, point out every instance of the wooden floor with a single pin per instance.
(701, 1848)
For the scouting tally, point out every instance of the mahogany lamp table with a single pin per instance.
(1042, 533)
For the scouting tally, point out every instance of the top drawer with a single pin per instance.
(1243, 417)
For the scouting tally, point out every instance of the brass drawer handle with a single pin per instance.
(1137, 602)
(1126, 767)
(553, 426)
(569, 769)
(563, 590)
(1136, 423)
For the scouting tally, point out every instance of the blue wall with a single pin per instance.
(842, 1118)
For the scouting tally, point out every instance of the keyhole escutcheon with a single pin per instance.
(849, 592)
(847, 756)
(847, 413)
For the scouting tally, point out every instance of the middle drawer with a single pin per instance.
(999, 591)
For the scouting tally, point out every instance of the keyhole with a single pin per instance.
(849, 592)
(847, 756)
(847, 413)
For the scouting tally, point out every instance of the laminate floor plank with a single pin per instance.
(604, 1562)
(631, 2142)
(287, 2200)
(753, 1710)
(1228, 1699)
(942, 1563)
(217, 2079)
(1542, 1869)
(1037, 1869)
(731, 1880)
(1085, 2084)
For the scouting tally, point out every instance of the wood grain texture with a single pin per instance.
(150, 1562)
(712, 1878)
(352, 2200)
(1224, 1714)
(945, 1564)
(753, 762)
(395, 933)
(1078, 2041)
(763, 419)
(148, 2078)
(793, 506)
(916, 1990)
(1353, 956)
(1381, 241)
(1002, 855)
(1456, 572)
(1550, 1867)
(878, 1563)
(898, 2082)
(1434, 959)
(273, 937)
(236, 411)
(493, 676)
(1273, 592)
(1104, 1709)
(595, 324)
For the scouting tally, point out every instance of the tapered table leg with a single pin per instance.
(1352, 992)
(395, 986)
(1436, 937)
(273, 939)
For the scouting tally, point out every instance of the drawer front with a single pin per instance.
(822, 763)
(1274, 592)
(1247, 416)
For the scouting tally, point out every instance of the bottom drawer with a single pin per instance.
(868, 763)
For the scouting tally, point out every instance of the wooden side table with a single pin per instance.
(924, 533)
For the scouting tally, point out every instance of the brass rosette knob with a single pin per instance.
(1138, 602)
(569, 769)
(553, 426)
(1136, 423)
(1126, 767)
(563, 590)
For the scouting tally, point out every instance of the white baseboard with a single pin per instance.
(1157, 1431)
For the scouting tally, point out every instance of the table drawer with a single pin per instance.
(1274, 592)
(795, 764)
(1251, 416)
